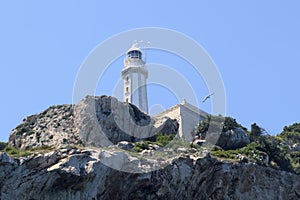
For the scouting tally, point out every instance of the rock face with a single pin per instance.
(53, 127)
(95, 121)
(81, 174)
(233, 139)
(103, 121)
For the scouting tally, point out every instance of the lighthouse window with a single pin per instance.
(135, 54)
(127, 100)
(126, 89)
(127, 78)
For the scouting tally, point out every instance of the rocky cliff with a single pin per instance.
(96, 150)
(94, 121)
(80, 174)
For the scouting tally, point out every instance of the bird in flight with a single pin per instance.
(207, 97)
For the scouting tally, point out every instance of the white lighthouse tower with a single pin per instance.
(135, 77)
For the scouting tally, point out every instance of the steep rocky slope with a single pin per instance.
(94, 121)
(80, 174)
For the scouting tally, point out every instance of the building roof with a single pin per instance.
(185, 104)
(134, 47)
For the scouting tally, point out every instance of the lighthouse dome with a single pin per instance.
(134, 52)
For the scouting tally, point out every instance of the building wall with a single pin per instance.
(138, 91)
(189, 119)
(187, 116)
(135, 77)
(173, 113)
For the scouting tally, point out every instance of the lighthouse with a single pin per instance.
(134, 75)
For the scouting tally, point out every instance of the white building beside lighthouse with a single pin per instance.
(135, 76)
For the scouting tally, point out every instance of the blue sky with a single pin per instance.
(255, 45)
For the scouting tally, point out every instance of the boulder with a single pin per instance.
(233, 139)
(125, 145)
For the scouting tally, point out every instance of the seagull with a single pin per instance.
(207, 97)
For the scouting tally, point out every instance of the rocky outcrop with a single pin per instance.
(83, 174)
(103, 121)
(94, 121)
(52, 127)
(233, 139)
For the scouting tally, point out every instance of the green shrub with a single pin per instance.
(263, 147)
(224, 154)
(12, 151)
(3, 145)
(140, 146)
(295, 161)
(163, 140)
(159, 139)
(42, 148)
(215, 124)
(269, 145)
(291, 132)
(294, 136)
(292, 128)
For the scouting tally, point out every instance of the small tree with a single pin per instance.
(255, 132)
(202, 127)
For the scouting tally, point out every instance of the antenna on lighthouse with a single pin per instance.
(143, 45)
